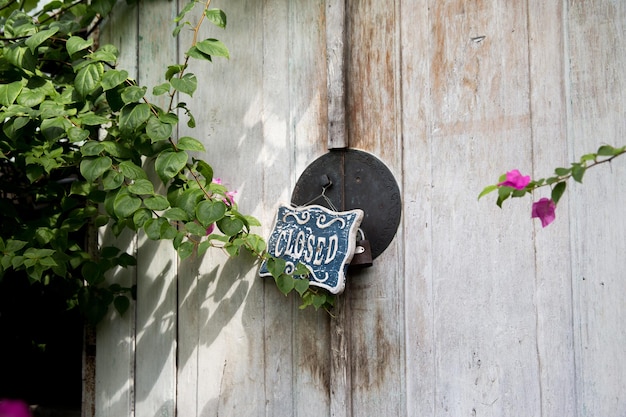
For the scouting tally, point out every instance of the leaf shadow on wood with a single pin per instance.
(209, 301)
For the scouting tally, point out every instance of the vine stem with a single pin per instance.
(568, 176)
(194, 41)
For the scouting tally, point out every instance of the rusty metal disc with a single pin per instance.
(345, 179)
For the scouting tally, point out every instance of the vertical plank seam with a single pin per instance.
(293, 140)
(399, 145)
(429, 114)
(133, 330)
(529, 63)
(567, 91)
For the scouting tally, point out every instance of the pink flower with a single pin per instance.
(515, 179)
(544, 209)
(14, 408)
(210, 229)
(230, 197)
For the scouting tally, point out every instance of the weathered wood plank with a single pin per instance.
(552, 245)
(225, 303)
(483, 259)
(596, 39)
(336, 75)
(277, 154)
(310, 113)
(115, 335)
(417, 209)
(157, 262)
(376, 327)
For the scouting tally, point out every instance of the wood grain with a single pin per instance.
(472, 310)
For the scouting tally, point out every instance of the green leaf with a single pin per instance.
(9, 92)
(256, 243)
(92, 148)
(13, 245)
(252, 221)
(132, 116)
(121, 303)
(577, 172)
(187, 200)
(112, 180)
(92, 119)
(168, 231)
(487, 190)
(93, 168)
(132, 171)
(558, 191)
(607, 150)
(213, 47)
(161, 89)
(170, 163)
(301, 285)
(188, 7)
(88, 79)
(40, 37)
(195, 229)
(113, 78)
(126, 205)
(173, 70)
(205, 169)
(319, 300)
(285, 283)
(230, 226)
(55, 128)
(152, 227)
(190, 144)
(503, 194)
(76, 43)
(203, 246)
(76, 134)
(21, 57)
(217, 17)
(276, 266)
(209, 211)
(133, 94)
(31, 98)
(34, 172)
(157, 202)
(141, 186)
(187, 84)
(157, 130)
(561, 172)
(140, 217)
(185, 250)
(107, 53)
(588, 157)
(176, 213)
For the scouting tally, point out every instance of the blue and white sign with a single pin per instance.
(321, 239)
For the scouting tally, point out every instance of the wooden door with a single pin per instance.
(472, 310)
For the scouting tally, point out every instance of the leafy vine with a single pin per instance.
(79, 134)
(514, 184)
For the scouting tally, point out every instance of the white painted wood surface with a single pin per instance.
(472, 310)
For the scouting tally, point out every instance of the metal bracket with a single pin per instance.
(349, 179)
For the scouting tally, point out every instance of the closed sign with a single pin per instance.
(321, 239)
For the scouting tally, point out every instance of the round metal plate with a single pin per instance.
(354, 179)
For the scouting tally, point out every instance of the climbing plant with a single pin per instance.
(514, 184)
(82, 147)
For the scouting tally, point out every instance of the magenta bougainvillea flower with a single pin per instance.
(14, 408)
(516, 180)
(544, 210)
